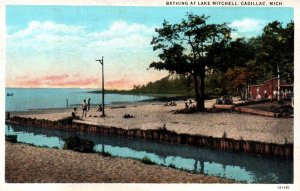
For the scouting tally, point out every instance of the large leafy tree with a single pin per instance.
(190, 48)
(240, 65)
(278, 49)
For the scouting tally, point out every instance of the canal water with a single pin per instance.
(236, 166)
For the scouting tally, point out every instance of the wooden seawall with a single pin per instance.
(226, 144)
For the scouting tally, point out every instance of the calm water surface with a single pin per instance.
(240, 167)
(24, 99)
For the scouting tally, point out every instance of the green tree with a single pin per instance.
(240, 77)
(240, 65)
(215, 85)
(278, 49)
(189, 48)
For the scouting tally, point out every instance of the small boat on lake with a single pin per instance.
(10, 94)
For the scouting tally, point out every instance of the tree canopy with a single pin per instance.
(278, 49)
(190, 48)
(195, 49)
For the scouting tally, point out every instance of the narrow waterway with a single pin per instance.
(240, 167)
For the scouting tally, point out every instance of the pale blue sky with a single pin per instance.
(55, 46)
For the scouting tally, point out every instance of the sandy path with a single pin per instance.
(41, 165)
(155, 115)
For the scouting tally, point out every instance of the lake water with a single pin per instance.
(236, 166)
(24, 99)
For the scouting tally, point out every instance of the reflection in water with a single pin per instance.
(235, 166)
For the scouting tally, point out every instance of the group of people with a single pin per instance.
(86, 106)
(172, 103)
(283, 94)
(226, 99)
(189, 104)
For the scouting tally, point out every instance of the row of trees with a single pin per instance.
(171, 84)
(195, 49)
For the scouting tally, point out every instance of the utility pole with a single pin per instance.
(101, 62)
(278, 94)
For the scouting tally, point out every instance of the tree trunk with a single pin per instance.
(202, 96)
(240, 92)
(197, 93)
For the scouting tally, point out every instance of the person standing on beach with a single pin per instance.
(67, 103)
(84, 108)
(89, 104)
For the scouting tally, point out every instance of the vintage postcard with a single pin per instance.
(140, 95)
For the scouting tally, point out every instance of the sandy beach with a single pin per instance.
(27, 164)
(154, 115)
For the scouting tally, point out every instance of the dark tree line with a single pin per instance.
(171, 84)
(206, 55)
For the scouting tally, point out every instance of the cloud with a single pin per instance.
(50, 36)
(247, 25)
(47, 36)
(47, 27)
(235, 35)
(121, 29)
(63, 80)
(133, 42)
(45, 78)
(122, 35)
(56, 77)
(62, 51)
(82, 82)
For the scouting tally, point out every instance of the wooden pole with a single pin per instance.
(102, 63)
(103, 114)
(278, 94)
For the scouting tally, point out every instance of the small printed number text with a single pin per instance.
(283, 187)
